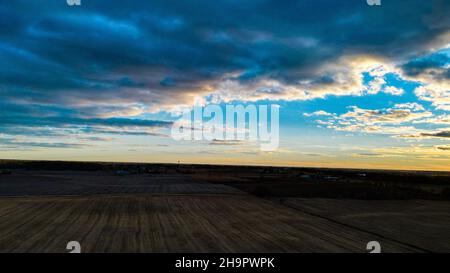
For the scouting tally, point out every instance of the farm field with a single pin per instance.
(418, 222)
(42, 210)
(178, 223)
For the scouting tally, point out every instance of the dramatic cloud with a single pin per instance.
(399, 114)
(106, 67)
(393, 121)
(433, 73)
(160, 55)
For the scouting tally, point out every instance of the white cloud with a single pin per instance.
(391, 121)
(410, 105)
(436, 93)
(439, 119)
(344, 77)
(396, 91)
(317, 113)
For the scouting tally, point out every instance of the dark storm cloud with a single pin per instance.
(434, 66)
(38, 115)
(53, 121)
(71, 59)
(57, 122)
(418, 66)
(441, 134)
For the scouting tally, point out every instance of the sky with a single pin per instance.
(358, 86)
